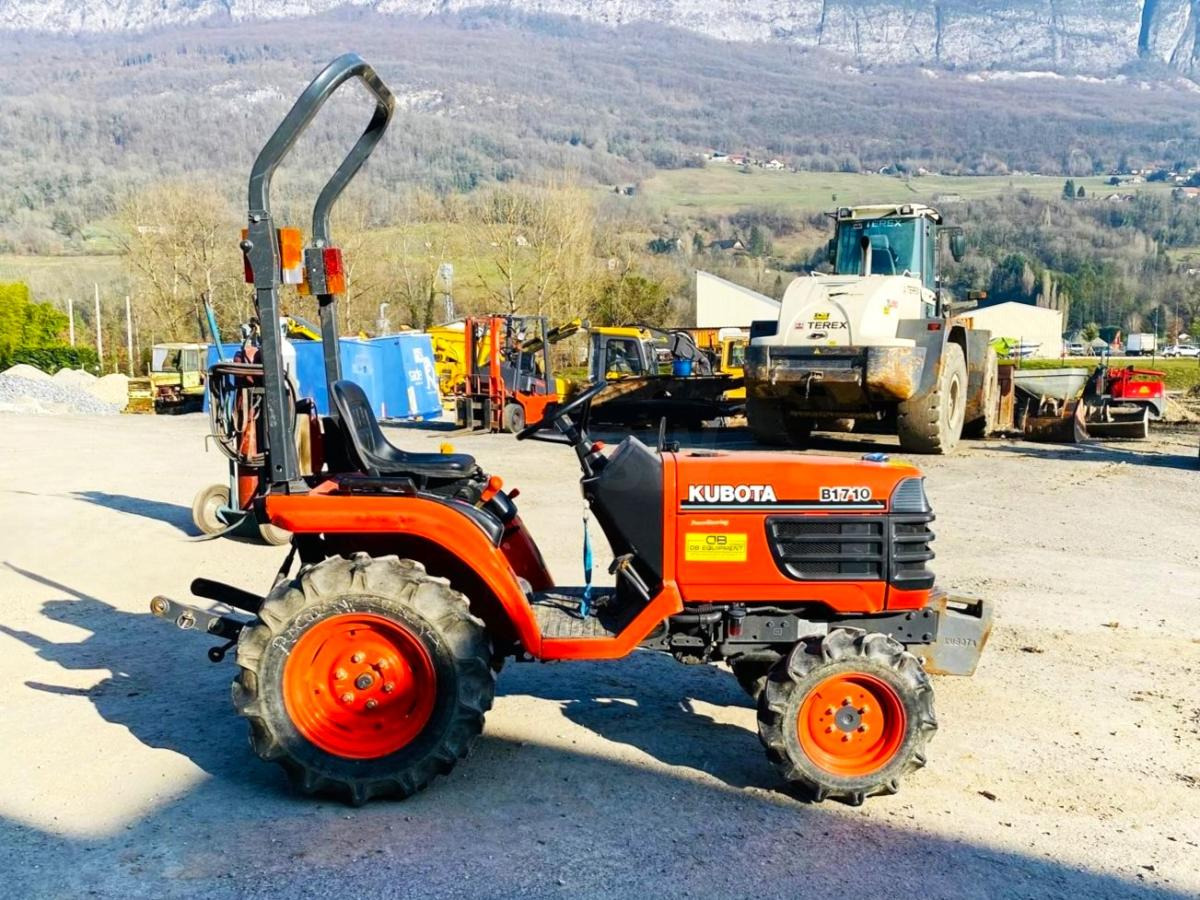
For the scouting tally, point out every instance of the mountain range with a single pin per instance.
(1078, 36)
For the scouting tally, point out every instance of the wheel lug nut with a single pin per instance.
(388, 687)
(372, 703)
(829, 729)
(358, 657)
(382, 664)
(830, 711)
(863, 728)
(363, 682)
(340, 675)
(845, 738)
(846, 701)
(348, 697)
(863, 710)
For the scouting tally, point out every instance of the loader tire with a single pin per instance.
(846, 715)
(933, 422)
(982, 426)
(364, 677)
(774, 426)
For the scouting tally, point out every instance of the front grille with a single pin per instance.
(894, 548)
(825, 549)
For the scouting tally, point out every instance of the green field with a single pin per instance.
(1181, 374)
(721, 188)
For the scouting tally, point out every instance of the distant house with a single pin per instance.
(739, 160)
(728, 245)
(775, 164)
(1188, 193)
(948, 199)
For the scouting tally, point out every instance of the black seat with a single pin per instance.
(376, 455)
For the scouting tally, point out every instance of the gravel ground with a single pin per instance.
(48, 396)
(1068, 766)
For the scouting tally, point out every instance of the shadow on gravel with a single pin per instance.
(171, 513)
(145, 691)
(1099, 453)
(519, 818)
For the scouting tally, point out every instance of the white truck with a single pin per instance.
(1141, 344)
(879, 341)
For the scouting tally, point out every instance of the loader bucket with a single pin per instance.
(1132, 425)
(1067, 428)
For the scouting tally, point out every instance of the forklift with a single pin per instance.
(509, 380)
(367, 666)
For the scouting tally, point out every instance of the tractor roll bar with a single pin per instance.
(262, 246)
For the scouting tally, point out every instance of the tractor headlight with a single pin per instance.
(909, 497)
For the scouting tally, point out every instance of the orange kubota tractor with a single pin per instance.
(367, 670)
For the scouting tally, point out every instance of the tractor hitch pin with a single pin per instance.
(188, 618)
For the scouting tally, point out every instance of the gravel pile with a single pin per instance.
(47, 396)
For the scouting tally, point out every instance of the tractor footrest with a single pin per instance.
(558, 614)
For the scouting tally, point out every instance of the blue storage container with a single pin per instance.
(395, 372)
(409, 383)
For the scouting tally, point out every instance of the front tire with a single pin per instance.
(364, 678)
(513, 418)
(933, 422)
(847, 715)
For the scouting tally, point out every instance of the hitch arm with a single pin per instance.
(189, 618)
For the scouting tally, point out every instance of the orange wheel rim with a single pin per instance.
(851, 725)
(359, 686)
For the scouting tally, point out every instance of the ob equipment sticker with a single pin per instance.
(711, 547)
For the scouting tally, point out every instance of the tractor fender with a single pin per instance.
(435, 534)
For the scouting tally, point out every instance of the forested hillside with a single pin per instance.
(487, 97)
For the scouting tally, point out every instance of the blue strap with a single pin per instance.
(585, 605)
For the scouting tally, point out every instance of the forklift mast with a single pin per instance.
(274, 255)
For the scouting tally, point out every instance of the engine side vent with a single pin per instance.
(893, 548)
(829, 549)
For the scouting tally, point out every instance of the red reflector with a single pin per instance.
(335, 274)
(934, 326)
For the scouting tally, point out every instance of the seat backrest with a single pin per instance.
(358, 422)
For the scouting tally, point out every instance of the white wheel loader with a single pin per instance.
(877, 342)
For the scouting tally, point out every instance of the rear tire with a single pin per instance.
(364, 678)
(847, 715)
(774, 426)
(514, 418)
(205, 508)
(933, 422)
(982, 426)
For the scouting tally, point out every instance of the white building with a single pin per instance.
(721, 303)
(1024, 324)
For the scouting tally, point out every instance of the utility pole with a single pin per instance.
(99, 329)
(71, 318)
(129, 334)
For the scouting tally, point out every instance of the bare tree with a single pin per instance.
(533, 248)
(180, 247)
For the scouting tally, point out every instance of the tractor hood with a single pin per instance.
(846, 310)
(716, 481)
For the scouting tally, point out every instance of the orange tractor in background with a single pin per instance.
(367, 670)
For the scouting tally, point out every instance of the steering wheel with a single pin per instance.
(559, 413)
